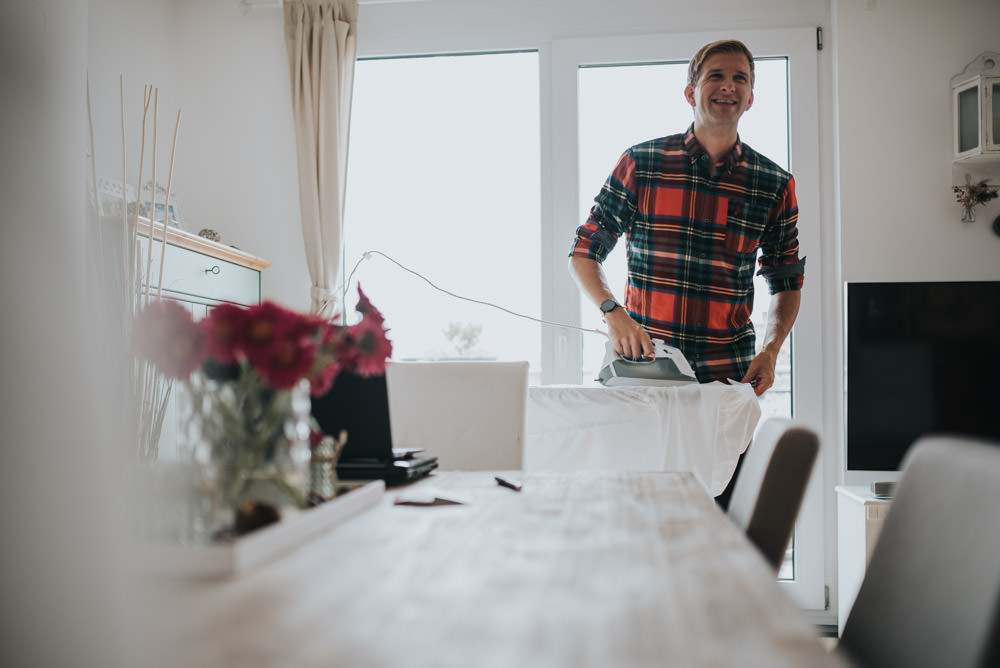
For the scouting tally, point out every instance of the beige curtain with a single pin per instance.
(321, 36)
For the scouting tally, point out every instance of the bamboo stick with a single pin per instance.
(134, 281)
(152, 195)
(149, 387)
(125, 236)
(166, 206)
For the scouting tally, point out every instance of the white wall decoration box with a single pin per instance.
(976, 109)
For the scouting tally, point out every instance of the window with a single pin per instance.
(575, 66)
(444, 180)
(474, 170)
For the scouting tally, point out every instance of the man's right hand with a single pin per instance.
(629, 338)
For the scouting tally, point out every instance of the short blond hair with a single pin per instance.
(721, 46)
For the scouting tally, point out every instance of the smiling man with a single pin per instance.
(695, 208)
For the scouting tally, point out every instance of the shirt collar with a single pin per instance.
(695, 150)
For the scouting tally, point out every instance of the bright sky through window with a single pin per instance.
(444, 178)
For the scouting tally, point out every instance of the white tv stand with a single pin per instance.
(859, 522)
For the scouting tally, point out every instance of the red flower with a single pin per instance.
(371, 345)
(289, 359)
(225, 329)
(281, 346)
(265, 324)
(165, 334)
(322, 381)
(366, 308)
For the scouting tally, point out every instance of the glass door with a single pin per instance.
(609, 94)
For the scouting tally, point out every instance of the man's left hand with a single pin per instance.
(761, 372)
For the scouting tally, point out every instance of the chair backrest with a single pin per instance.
(771, 484)
(931, 594)
(471, 415)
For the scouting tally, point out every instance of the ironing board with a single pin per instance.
(701, 428)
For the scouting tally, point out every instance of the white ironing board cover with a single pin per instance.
(698, 428)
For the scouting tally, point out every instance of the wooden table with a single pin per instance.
(578, 569)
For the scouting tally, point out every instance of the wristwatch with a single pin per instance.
(609, 305)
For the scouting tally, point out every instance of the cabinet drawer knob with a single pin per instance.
(214, 270)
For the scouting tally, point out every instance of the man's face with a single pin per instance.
(723, 91)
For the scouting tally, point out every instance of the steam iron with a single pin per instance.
(668, 367)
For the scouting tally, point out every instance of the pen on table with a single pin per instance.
(510, 484)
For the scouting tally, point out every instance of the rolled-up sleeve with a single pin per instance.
(779, 260)
(612, 214)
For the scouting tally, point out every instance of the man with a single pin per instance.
(694, 208)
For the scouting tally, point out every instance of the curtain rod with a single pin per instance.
(247, 6)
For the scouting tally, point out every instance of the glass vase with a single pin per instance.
(253, 444)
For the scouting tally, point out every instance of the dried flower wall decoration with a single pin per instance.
(973, 194)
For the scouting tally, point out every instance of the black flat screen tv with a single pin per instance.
(921, 357)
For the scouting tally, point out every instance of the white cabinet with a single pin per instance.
(859, 522)
(200, 274)
(199, 271)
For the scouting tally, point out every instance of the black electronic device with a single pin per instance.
(921, 357)
(360, 406)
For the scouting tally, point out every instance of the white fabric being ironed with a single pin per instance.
(698, 428)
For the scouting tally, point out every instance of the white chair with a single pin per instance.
(470, 415)
(771, 484)
(931, 594)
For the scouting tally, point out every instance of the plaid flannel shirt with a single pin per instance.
(692, 244)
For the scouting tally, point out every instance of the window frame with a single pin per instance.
(561, 347)
(559, 202)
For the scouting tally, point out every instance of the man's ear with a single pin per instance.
(689, 94)
(749, 102)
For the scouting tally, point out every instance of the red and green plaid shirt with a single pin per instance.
(692, 244)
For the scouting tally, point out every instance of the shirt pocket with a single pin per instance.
(745, 225)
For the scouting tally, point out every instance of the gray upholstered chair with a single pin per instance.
(771, 484)
(931, 594)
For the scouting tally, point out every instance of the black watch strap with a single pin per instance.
(609, 305)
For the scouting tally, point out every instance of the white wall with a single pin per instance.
(242, 179)
(898, 216)
(386, 28)
(63, 600)
(131, 43)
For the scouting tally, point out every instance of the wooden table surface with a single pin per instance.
(577, 569)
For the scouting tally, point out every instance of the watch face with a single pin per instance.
(608, 305)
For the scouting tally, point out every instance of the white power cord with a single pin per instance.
(367, 254)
